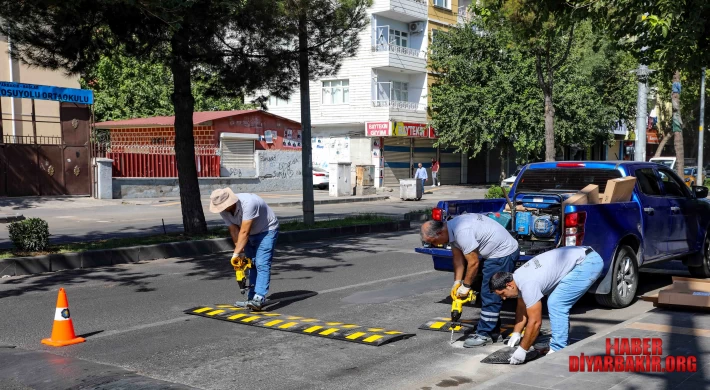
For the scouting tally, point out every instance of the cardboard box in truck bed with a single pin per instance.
(587, 195)
(619, 190)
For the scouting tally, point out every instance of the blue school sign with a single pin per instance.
(44, 92)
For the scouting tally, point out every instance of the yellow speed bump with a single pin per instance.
(445, 325)
(304, 325)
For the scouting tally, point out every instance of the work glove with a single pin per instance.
(518, 356)
(514, 339)
(462, 291)
(457, 284)
(239, 255)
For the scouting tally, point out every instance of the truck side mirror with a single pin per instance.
(701, 192)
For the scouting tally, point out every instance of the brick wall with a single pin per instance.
(158, 140)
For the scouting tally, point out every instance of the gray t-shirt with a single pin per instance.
(541, 274)
(470, 232)
(251, 206)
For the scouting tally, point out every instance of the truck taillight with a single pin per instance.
(574, 228)
(437, 214)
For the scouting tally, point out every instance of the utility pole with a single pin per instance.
(700, 180)
(641, 113)
(306, 151)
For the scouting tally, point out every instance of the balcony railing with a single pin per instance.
(463, 15)
(400, 105)
(407, 51)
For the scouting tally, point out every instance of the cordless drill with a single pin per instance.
(456, 310)
(241, 266)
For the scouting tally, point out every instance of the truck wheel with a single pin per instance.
(703, 271)
(624, 280)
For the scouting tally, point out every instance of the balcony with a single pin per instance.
(399, 59)
(400, 100)
(400, 105)
(464, 16)
(401, 10)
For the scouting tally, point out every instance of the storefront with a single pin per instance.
(398, 148)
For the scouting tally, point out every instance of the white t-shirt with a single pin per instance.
(541, 274)
(470, 232)
(252, 207)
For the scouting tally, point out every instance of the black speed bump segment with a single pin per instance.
(444, 325)
(303, 325)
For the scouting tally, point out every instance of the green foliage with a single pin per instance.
(488, 94)
(496, 192)
(29, 235)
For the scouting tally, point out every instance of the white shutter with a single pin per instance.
(237, 153)
(397, 161)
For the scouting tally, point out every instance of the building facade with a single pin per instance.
(374, 111)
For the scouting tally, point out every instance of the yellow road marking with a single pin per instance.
(310, 320)
(313, 329)
(372, 338)
(355, 335)
(333, 323)
(329, 331)
(376, 329)
(294, 318)
(393, 332)
(288, 325)
(228, 307)
(437, 325)
(271, 314)
(670, 329)
(202, 310)
(350, 326)
(215, 312)
(272, 323)
(456, 328)
(234, 317)
(250, 319)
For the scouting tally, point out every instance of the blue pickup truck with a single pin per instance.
(664, 220)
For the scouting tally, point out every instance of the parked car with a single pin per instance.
(320, 178)
(690, 174)
(507, 183)
(667, 161)
(663, 220)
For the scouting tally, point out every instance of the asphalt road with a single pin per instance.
(132, 317)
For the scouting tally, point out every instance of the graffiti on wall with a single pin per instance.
(279, 164)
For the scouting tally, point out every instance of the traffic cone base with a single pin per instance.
(63, 329)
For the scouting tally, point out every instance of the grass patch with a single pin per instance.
(220, 232)
(421, 211)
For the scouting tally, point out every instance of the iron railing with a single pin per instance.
(407, 51)
(400, 105)
(31, 139)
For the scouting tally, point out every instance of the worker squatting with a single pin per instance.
(633, 355)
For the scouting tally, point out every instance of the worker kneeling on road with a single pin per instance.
(254, 229)
(564, 274)
(476, 236)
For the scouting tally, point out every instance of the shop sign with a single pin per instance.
(414, 130)
(378, 129)
(652, 137)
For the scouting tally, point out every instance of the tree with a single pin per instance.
(488, 91)
(125, 87)
(246, 46)
(544, 30)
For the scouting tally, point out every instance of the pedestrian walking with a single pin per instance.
(422, 176)
(254, 229)
(435, 173)
(563, 274)
(476, 237)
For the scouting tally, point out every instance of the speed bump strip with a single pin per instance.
(304, 325)
(444, 325)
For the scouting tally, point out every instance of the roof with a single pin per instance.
(197, 118)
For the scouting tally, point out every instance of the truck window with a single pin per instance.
(564, 179)
(673, 186)
(648, 182)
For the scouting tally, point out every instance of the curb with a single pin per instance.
(417, 217)
(5, 218)
(331, 201)
(109, 257)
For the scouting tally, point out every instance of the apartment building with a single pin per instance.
(374, 111)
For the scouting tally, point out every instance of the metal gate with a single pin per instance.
(449, 166)
(397, 156)
(48, 165)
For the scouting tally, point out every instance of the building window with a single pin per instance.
(399, 38)
(336, 92)
(399, 90)
(275, 102)
(443, 4)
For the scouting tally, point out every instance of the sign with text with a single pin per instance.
(44, 92)
(378, 129)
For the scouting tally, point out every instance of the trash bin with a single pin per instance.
(410, 189)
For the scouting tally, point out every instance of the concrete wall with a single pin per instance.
(276, 171)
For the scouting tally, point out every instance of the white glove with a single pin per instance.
(514, 339)
(518, 356)
(239, 255)
(462, 291)
(455, 287)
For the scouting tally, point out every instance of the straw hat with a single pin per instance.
(221, 199)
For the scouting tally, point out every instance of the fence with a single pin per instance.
(159, 165)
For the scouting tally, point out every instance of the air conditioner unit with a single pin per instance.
(416, 27)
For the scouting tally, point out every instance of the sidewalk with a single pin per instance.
(682, 334)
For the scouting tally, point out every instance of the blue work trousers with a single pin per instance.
(491, 303)
(260, 248)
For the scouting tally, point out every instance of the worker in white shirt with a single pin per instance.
(421, 175)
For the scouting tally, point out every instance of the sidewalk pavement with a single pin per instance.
(682, 333)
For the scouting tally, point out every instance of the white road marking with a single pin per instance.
(374, 281)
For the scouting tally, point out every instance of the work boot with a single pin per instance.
(477, 340)
(256, 303)
(241, 304)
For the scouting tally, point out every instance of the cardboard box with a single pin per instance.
(578, 199)
(686, 292)
(592, 192)
(619, 190)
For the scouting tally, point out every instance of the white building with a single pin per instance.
(373, 112)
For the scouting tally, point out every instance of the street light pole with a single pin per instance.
(641, 113)
(699, 181)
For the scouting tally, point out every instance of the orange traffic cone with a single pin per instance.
(63, 329)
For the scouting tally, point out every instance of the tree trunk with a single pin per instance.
(306, 151)
(193, 218)
(677, 124)
(549, 128)
(662, 145)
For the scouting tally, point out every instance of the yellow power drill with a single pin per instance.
(241, 265)
(457, 309)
